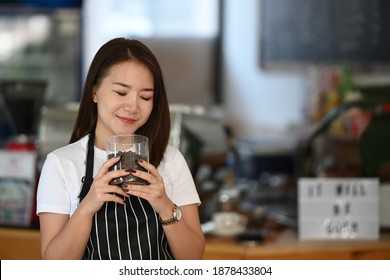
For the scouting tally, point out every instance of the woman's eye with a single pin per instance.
(146, 98)
(120, 93)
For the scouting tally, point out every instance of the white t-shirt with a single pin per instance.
(60, 180)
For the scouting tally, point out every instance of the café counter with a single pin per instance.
(24, 244)
(19, 244)
(286, 246)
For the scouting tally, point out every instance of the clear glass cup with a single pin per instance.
(130, 148)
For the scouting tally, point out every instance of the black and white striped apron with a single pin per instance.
(120, 232)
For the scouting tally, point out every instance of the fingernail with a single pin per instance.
(131, 170)
(140, 160)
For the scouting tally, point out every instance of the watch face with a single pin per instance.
(178, 214)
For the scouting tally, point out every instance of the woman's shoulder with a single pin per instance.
(171, 153)
(70, 150)
(173, 159)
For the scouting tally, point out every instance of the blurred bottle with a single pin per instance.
(355, 120)
(332, 89)
(346, 84)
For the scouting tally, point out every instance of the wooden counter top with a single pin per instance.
(19, 244)
(24, 244)
(287, 247)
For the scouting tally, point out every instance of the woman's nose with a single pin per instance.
(130, 103)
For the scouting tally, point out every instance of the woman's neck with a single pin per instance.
(100, 139)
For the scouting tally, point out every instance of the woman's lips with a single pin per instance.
(126, 120)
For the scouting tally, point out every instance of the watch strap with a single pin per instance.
(172, 220)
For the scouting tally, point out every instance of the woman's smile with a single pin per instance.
(126, 120)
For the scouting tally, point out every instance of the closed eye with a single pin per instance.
(120, 93)
(147, 98)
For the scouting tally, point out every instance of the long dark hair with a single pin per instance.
(117, 50)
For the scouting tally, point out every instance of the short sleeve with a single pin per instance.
(52, 193)
(178, 179)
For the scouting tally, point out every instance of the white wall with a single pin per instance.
(179, 32)
(257, 103)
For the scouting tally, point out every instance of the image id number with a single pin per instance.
(244, 270)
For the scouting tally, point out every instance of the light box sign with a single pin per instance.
(338, 208)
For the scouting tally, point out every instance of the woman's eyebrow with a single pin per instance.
(122, 84)
(128, 86)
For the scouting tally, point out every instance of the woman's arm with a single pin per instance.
(185, 237)
(64, 237)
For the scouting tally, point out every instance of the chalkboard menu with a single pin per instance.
(325, 31)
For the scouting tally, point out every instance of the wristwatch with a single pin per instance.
(176, 216)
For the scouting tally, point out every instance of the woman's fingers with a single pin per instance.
(155, 193)
(109, 176)
(104, 189)
(153, 177)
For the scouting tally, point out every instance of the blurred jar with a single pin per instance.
(21, 142)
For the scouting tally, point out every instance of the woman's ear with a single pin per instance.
(94, 96)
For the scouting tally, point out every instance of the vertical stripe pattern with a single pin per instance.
(130, 231)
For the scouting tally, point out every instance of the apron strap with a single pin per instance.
(88, 178)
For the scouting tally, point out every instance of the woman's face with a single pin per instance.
(124, 100)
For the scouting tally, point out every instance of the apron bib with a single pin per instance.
(122, 232)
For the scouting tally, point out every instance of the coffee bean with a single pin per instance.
(129, 160)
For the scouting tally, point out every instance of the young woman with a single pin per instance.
(81, 215)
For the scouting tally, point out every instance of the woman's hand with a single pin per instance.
(154, 193)
(185, 238)
(101, 191)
